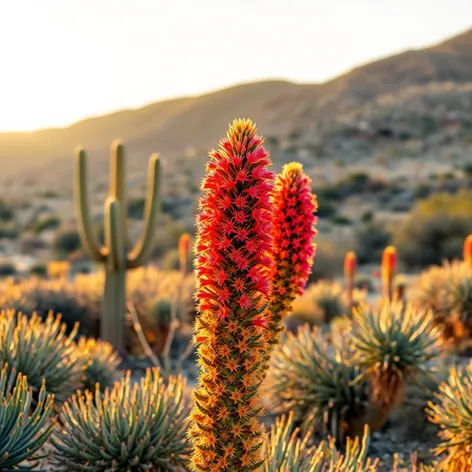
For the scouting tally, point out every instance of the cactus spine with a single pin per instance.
(114, 254)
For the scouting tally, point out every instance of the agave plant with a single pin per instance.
(310, 378)
(447, 291)
(392, 344)
(102, 363)
(285, 451)
(453, 414)
(131, 427)
(41, 350)
(23, 429)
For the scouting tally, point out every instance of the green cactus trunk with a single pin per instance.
(113, 254)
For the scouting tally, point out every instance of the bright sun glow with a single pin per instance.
(64, 60)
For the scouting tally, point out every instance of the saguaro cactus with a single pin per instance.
(114, 254)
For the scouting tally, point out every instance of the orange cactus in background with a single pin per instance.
(389, 267)
(294, 229)
(233, 262)
(350, 266)
(468, 250)
(184, 251)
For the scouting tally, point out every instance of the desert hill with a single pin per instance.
(405, 93)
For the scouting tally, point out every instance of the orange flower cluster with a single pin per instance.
(293, 232)
(233, 266)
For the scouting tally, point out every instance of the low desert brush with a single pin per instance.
(286, 451)
(24, 428)
(447, 291)
(452, 411)
(309, 377)
(41, 350)
(132, 427)
(102, 363)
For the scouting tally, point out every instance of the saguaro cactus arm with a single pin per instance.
(139, 254)
(86, 232)
(113, 235)
(117, 187)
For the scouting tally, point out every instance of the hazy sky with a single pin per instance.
(63, 60)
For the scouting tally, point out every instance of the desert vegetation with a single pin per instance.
(253, 361)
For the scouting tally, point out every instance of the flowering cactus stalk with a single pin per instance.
(184, 249)
(293, 233)
(350, 266)
(468, 250)
(233, 246)
(389, 266)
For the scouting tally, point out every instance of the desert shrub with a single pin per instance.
(136, 208)
(29, 244)
(39, 269)
(151, 292)
(320, 303)
(102, 363)
(8, 230)
(364, 281)
(42, 352)
(6, 212)
(451, 411)
(435, 229)
(7, 269)
(328, 261)
(309, 377)
(76, 302)
(67, 240)
(23, 428)
(131, 427)
(286, 451)
(370, 241)
(49, 222)
(328, 300)
(447, 291)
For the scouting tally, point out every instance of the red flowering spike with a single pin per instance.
(293, 232)
(234, 242)
(389, 267)
(468, 250)
(350, 266)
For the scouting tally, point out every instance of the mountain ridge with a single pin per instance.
(279, 108)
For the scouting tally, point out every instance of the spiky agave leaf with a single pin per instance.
(309, 377)
(453, 413)
(286, 451)
(41, 350)
(393, 343)
(131, 427)
(102, 363)
(23, 428)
